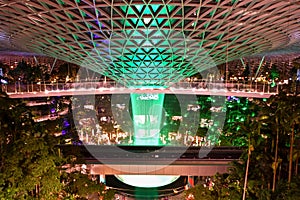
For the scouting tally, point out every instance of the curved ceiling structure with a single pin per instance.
(149, 42)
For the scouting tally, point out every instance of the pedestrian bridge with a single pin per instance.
(152, 160)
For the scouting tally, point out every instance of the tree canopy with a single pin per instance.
(31, 162)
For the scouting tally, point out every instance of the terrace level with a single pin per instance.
(241, 89)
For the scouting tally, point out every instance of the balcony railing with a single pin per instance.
(201, 85)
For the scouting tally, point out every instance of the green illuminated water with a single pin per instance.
(143, 194)
(147, 117)
(147, 112)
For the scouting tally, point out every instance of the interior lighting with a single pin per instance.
(147, 181)
(147, 20)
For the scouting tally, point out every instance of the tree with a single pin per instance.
(220, 186)
(274, 75)
(31, 163)
(283, 115)
(29, 159)
(268, 133)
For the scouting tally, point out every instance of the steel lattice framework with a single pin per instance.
(144, 42)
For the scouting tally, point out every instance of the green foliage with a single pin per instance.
(29, 73)
(30, 161)
(219, 187)
(28, 155)
(274, 72)
(79, 184)
(286, 191)
(276, 117)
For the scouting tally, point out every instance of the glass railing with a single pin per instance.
(201, 85)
